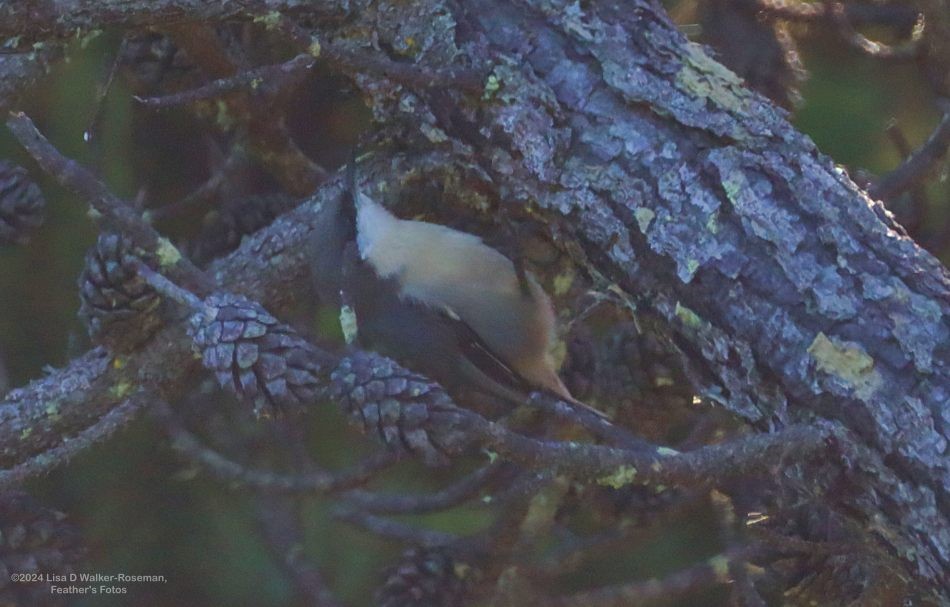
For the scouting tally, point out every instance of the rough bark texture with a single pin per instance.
(799, 295)
(19, 71)
(796, 297)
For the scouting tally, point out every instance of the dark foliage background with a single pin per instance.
(140, 508)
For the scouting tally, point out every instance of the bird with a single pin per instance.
(437, 300)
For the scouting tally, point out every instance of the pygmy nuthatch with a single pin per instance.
(438, 300)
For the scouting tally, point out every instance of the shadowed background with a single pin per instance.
(140, 508)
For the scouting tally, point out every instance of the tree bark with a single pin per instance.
(796, 297)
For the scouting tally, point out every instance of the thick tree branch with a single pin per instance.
(68, 18)
(69, 446)
(797, 298)
(679, 185)
(271, 267)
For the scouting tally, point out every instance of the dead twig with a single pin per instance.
(918, 164)
(268, 75)
(116, 211)
(222, 468)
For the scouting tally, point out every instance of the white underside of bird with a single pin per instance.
(457, 273)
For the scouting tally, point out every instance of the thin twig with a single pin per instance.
(591, 421)
(843, 16)
(393, 530)
(743, 591)
(222, 468)
(279, 524)
(919, 163)
(167, 288)
(892, 15)
(252, 78)
(412, 74)
(469, 79)
(90, 134)
(82, 181)
(910, 218)
(526, 512)
(260, 125)
(235, 162)
(458, 492)
(905, 51)
(787, 544)
(657, 591)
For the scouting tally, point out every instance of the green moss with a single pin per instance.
(270, 20)
(223, 117)
(624, 475)
(704, 77)
(168, 254)
(348, 324)
(434, 133)
(733, 184)
(688, 317)
(563, 282)
(315, 49)
(492, 84)
(644, 216)
(720, 566)
(121, 389)
(848, 361)
(52, 410)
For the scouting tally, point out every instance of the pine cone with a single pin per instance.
(119, 308)
(223, 229)
(34, 540)
(266, 363)
(425, 577)
(408, 412)
(22, 206)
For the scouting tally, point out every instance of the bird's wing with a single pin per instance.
(480, 355)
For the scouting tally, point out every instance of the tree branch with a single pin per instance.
(796, 298)
(69, 446)
(62, 19)
(917, 164)
(121, 214)
(222, 468)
